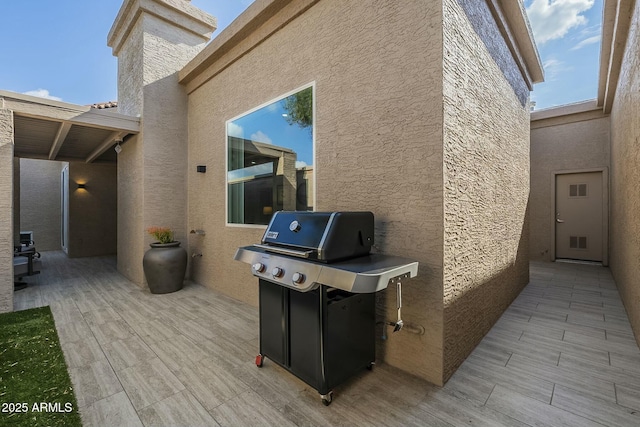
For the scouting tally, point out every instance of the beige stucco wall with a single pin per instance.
(625, 178)
(561, 143)
(6, 211)
(92, 211)
(16, 201)
(153, 41)
(130, 210)
(378, 147)
(40, 202)
(486, 179)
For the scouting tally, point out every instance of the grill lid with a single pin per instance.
(323, 236)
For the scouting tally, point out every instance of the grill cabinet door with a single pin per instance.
(305, 330)
(273, 328)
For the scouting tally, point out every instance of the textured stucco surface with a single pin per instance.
(378, 144)
(16, 201)
(40, 202)
(131, 161)
(152, 166)
(578, 145)
(6, 211)
(486, 178)
(92, 211)
(130, 210)
(625, 178)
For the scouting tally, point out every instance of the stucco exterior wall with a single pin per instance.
(152, 166)
(93, 210)
(131, 161)
(16, 201)
(40, 202)
(378, 100)
(486, 177)
(6, 211)
(575, 142)
(625, 178)
(130, 211)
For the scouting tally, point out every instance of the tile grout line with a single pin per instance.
(108, 361)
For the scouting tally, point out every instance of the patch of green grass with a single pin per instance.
(35, 388)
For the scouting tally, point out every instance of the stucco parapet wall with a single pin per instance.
(514, 25)
(565, 114)
(616, 19)
(264, 17)
(179, 12)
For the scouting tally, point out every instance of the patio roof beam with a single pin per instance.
(46, 109)
(106, 144)
(61, 135)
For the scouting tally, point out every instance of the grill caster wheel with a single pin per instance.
(327, 398)
(259, 360)
(370, 366)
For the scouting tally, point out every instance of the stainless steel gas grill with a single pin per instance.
(317, 283)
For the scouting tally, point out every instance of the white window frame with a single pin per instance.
(311, 85)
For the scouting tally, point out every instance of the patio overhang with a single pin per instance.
(54, 130)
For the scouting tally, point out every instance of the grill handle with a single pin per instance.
(399, 323)
(284, 251)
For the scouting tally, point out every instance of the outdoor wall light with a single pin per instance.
(82, 186)
(201, 168)
(118, 148)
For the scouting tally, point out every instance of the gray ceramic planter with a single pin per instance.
(164, 267)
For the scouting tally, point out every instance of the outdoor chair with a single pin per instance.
(26, 262)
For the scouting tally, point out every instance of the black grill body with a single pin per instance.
(317, 285)
(324, 336)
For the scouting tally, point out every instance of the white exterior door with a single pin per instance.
(579, 216)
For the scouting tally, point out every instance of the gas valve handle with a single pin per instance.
(399, 322)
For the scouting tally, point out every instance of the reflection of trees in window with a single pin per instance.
(299, 107)
(263, 177)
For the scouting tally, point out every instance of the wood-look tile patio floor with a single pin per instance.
(563, 354)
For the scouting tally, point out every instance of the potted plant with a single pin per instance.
(165, 263)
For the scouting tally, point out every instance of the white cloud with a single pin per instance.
(43, 93)
(235, 130)
(300, 164)
(591, 30)
(261, 137)
(553, 67)
(552, 19)
(586, 42)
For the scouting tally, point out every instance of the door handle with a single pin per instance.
(559, 220)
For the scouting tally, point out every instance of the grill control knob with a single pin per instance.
(298, 278)
(277, 272)
(259, 267)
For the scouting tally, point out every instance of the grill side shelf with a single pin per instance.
(367, 274)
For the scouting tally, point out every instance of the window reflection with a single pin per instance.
(270, 160)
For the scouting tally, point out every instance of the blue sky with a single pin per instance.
(58, 47)
(567, 34)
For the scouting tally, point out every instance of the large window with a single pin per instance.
(270, 159)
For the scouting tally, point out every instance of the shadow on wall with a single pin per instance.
(469, 317)
(417, 347)
(483, 23)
